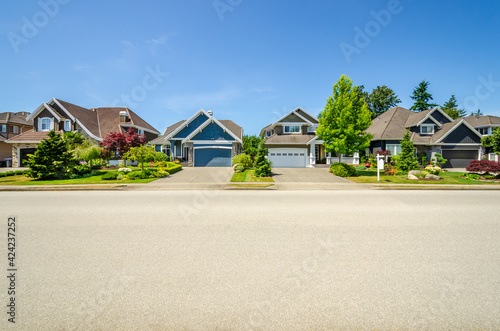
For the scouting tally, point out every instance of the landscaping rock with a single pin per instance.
(414, 173)
(431, 176)
(412, 177)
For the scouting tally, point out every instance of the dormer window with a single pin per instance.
(292, 129)
(124, 116)
(67, 125)
(312, 129)
(427, 129)
(45, 124)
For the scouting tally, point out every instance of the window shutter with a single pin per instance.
(51, 124)
(39, 121)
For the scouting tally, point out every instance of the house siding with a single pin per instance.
(45, 113)
(212, 132)
(293, 118)
(439, 117)
(193, 125)
(462, 135)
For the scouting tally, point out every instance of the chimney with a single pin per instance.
(123, 116)
(211, 113)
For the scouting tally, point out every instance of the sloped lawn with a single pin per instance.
(367, 176)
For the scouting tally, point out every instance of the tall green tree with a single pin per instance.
(381, 99)
(262, 166)
(251, 144)
(450, 107)
(476, 113)
(406, 159)
(344, 120)
(52, 158)
(422, 97)
(140, 154)
(492, 142)
(88, 151)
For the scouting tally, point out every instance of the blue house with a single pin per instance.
(201, 141)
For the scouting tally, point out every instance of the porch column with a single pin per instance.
(328, 158)
(190, 154)
(312, 154)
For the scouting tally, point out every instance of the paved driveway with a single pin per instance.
(306, 175)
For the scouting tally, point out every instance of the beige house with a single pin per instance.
(11, 125)
(62, 116)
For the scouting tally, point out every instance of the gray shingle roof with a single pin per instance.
(477, 121)
(293, 139)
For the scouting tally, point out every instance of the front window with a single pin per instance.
(3, 128)
(395, 149)
(45, 124)
(166, 149)
(14, 129)
(427, 129)
(139, 131)
(292, 128)
(67, 125)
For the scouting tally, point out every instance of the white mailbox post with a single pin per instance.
(380, 165)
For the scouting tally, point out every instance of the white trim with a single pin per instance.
(138, 128)
(207, 122)
(292, 125)
(39, 109)
(456, 126)
(66, 122)
(54, 100)
(22, 142)
(217, 142)
(86, 130)
(431, 118)
(294, 111)
(427, 126)
(189, 120)
(313, 140)
(210, 147)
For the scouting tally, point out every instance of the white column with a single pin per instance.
(312, 154)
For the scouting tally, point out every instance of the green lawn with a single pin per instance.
(248, 176)
(23, 180)
(367, 176)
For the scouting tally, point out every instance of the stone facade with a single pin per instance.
(15, 152)
(236, 149)
(190, 154)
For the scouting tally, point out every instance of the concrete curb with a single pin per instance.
(25, 188)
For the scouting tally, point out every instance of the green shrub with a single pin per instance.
(112, 175)
(489, 176)
(239, 168)
(124, 170)
(473, 176)
(2, 174)
(360, 168)
(162, 173)
(137, 175)
(10, 173)
(243, 159)
(343, 170)
(432, 169)
(20, 172)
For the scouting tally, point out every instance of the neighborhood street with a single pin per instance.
(256, 260)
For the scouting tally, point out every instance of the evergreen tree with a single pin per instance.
(344, 120)
(262, 165)
(52, 158)
(406, 159)
(450, 107)
(422, 97)
(381, 99)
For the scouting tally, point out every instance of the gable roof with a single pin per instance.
(29, 136)
(9, 117)
(478, 121)
(186, 123)
(97, 122)
(304, 115)
(290, 139)
(455, 124)
(393, 124)
(213, 120)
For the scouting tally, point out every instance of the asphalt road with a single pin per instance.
(261, 260)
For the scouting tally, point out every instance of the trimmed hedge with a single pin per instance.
(343, 169)
(112, 175)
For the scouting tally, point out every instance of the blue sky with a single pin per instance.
(248, 61)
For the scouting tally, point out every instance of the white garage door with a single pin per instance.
(287, 157)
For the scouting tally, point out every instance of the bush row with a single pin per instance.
(13, 173)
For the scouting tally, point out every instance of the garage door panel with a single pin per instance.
(459, 158)
(212, 157)
(287, 158)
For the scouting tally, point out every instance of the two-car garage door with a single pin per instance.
(459, 158)
(212, 156)
(287, 157)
